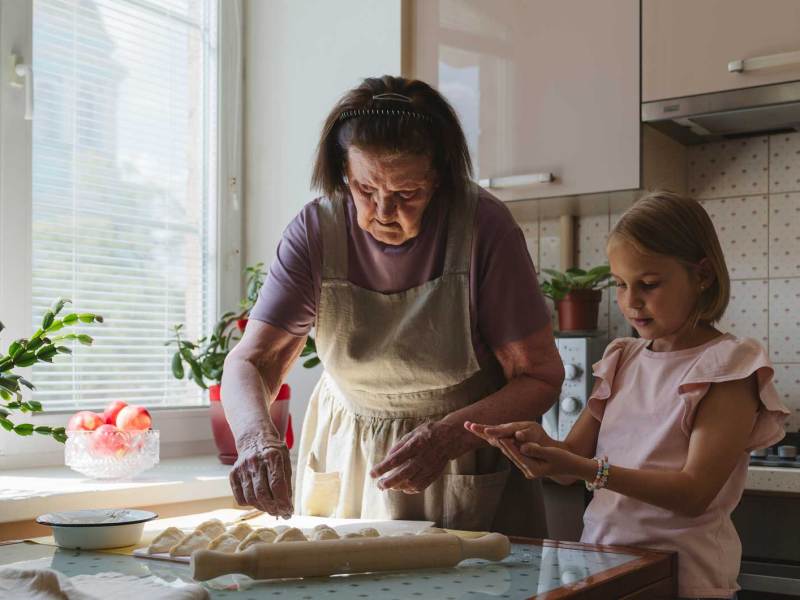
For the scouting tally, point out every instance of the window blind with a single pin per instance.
(124, 190)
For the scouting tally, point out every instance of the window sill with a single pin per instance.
(27, 493)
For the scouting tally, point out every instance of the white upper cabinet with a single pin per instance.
(687, 45)
(542, 88)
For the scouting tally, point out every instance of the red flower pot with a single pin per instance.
(577, 311)
(241, 324)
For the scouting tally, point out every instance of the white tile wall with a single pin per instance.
(751, 189)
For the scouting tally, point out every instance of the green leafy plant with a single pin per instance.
(254, 279)
(562, 283)
(42, 346)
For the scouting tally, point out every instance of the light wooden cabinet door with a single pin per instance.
(545, 86)
(687, 44)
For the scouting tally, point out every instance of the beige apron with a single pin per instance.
(392, 362)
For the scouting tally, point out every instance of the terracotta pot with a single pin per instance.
(223, 437)
(577, 311)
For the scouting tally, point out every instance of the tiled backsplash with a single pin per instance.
(751, 189)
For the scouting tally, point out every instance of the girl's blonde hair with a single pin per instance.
(670, 225)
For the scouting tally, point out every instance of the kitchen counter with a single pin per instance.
(773, 479)
(543, 569)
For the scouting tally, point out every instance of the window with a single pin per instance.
(111, 195)
(124, 188)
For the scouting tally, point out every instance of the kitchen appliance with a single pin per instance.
(578, 353)
(708, 117)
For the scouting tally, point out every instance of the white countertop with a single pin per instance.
(773, 479)
(27, 493)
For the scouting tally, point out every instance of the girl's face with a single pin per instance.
(657, 294)
(390, 193)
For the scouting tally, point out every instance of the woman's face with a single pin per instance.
(390, 192)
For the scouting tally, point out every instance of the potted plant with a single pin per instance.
(44, 345)
(255, 279)
(576, 294)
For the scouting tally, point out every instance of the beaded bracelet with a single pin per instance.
(601, 477)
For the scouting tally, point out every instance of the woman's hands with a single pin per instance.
(535, 453)
(418, 458)
(262, 476)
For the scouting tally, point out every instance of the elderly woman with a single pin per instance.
(427, 313)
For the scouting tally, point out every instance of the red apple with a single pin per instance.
(107, 440)
(84, 420)
(134, 418)
(112, 410)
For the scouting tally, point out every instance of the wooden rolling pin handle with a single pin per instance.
(357, 555)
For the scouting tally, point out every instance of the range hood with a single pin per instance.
(735, 113)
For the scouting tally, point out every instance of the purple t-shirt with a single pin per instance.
(505, 301)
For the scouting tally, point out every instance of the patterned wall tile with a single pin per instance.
(784, 162)
(747, 311)
(729, 168)
(784, 235)
(549, 244)
(741, 225)
(784, 317)
(590, 236)
(787, 380)
(530, 229)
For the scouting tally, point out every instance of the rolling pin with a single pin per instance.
(349, 555)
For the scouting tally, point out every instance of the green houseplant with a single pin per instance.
(43, 346)
(576, 294)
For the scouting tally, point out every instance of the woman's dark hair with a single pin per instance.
(408, 117)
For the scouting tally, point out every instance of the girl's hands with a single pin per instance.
(534, 452)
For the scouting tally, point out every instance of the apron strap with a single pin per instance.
(461, 223)
(332, 227)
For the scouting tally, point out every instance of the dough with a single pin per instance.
(165, 540)
(280, 529)
(430, 530)
(227, 542)
(369, 532)
(263, 535)
(321, 527)
(292, 534)
(324, 533)
(211, 528)
(240, 531)
(196, 540)
(353, 535)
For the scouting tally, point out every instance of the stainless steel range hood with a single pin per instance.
(730, 114)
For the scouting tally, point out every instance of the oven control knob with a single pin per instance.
(571, 372)
(570, 405)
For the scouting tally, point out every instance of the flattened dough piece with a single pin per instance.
(240, 531)
(293, 534)
(369, 532)
(280, 529)
(352, 535)
(321, 527)
(429, 530)
(211, 528)
(227, 542)
(325, 533)
(165, 540)
(197, 540)
(263, 535)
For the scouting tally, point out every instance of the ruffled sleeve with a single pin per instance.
(730, 360)
(604, 371)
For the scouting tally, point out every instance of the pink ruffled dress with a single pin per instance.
(646, 403)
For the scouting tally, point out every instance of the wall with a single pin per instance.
(751, 189)
(300, 57)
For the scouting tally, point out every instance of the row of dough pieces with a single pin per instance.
(213, 535)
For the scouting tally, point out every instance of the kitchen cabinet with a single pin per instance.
(545, 88)
(687, 45)
(545, 569)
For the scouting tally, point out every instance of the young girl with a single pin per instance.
(674, 414)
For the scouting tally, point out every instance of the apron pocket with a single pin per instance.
(471, 501)
(320, 493)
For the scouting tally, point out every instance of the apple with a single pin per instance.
(84, 420)
(107, 440)
(134, 418)
(112, 410)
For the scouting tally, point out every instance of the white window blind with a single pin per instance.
(124, 190)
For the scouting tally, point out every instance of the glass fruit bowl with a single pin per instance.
(111, 454)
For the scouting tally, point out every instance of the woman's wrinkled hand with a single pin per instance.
(262, 476)
(418, 458)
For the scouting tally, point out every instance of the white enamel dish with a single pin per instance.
(94, 529)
